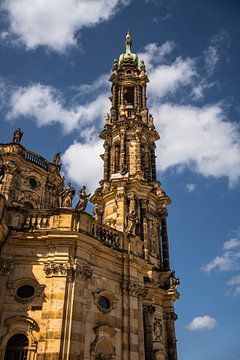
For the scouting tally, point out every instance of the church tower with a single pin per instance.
(76, 286)
(130, 198)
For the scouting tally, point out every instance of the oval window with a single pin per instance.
(25, 291)
(33, 182)
(104, 303)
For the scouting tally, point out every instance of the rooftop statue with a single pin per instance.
(17, 136)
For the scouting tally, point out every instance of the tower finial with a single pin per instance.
(128, 43)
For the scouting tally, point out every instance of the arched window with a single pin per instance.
(17, 348)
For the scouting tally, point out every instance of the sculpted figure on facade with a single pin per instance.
(66, 196)
(157, 329)
(17, 136)
(83, 199)
(132, 221)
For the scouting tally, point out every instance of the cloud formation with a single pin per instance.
(54, 23)
(190, 187)
(45, 105)
(198, 138)
(228, 261)
(83, 164)
(201, 323)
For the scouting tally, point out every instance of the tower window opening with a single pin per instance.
(129, 96)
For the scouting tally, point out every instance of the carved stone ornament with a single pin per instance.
(157, 329)
(52, 268)
(149, 310)
(171, 315)
(72, 269)
(83, 271)
(133, 289)
(6, 267)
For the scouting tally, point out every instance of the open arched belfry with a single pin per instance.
(76, 286)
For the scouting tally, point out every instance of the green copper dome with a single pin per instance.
(128, 56)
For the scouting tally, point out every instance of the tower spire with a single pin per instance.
(128, 43)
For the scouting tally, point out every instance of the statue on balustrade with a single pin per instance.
(66, 196)
(83, 199)
(17, 136)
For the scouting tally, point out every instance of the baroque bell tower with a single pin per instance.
(130, 198)
(132, 201)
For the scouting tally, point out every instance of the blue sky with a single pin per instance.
(55, 60)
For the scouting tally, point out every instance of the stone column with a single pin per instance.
(170, 317)
(138, 154)
(144, 95)
(164, 241)
(148, 311)
(106, 161)
(153, 162)
(122, 151)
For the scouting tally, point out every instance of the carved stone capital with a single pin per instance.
(52, 268)
(149, 310)
(6, 267)
(133, 289)
(83, 271)
(171, 315)
(70, 269)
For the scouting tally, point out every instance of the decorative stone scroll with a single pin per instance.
(6, 267)
(70, 269)
(134, 289)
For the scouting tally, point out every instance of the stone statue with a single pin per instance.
(66, 196)
(173, 281)
(98, 212)
(157, 330)
(56, 159)
(17, 136)
(142, 66)
(83, 198)
(131, 222)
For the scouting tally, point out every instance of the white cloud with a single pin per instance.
(167, 79)
(231, 244)
(45, 105)
(190, 187)
(235, 280)
(200, 323)
(155, 54)
(83, 164)
(198, 138)
(228, 261)
(211, 57)
(234, 284)
(54, 23)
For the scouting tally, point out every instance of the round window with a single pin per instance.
(25, 291)
(33, 182)
(104, 303)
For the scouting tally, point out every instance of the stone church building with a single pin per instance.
(76, 286)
